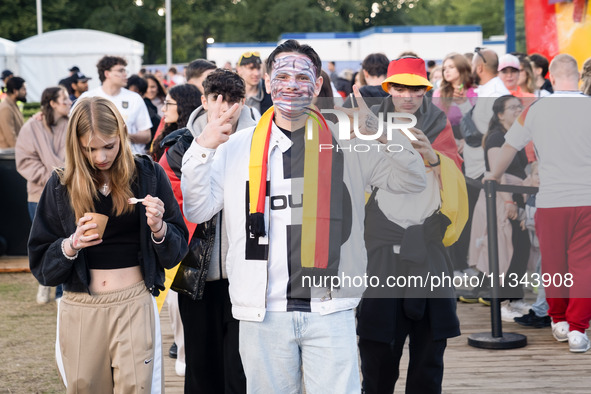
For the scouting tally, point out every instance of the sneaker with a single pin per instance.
(458, 274)
(560, 331)
(578, 342)
(532, 320)
(172, 352)
(526, 320)
(179, 367)
(521, 306)
(43, 294)
(507, 313)
(541, 322)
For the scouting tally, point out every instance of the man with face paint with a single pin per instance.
(293, 200)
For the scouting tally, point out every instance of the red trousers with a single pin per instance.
(565, 244)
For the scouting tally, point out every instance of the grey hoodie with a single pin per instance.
(196, 123)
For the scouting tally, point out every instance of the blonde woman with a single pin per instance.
(108, 328)
(40, 147)
(526, 76)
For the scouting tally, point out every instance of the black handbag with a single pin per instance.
(189, 276)
(192, 273)
(472, 136)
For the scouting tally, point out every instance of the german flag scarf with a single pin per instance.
(322, 196)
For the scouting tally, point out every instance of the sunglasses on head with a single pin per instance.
(248, 55)
(477, 51)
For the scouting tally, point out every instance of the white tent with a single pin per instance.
(43, 60)
(7, 58)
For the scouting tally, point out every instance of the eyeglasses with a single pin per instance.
(510, 70)
(514, 108)
(248, 55)
(477, 51)
(120, 70)
(167, 103)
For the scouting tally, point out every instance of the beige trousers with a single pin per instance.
(110, 342)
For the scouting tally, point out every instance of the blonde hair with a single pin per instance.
(96, 115)
(529, 81)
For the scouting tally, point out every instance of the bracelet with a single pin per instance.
(66, 255)
(510, 202)
(161, 225)
(163, 237)
(438, 162)
(72, 244)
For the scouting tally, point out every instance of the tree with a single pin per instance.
(193, 21)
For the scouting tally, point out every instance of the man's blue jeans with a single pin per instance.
(277, 350)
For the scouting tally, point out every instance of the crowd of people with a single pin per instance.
(244, 178)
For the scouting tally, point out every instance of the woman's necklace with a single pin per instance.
(105, 189)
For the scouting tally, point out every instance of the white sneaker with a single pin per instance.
(560, 331)
(179, 367)
(578, 342)
(521, 306)
(43, 294)
(509, 314)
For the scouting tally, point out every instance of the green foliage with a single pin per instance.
(31, 109)
(17, 19)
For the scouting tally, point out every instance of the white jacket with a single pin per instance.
(212, 180)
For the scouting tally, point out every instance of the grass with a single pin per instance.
(27, 338)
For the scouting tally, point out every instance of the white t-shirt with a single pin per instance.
(559, 126)
(410, 209)
(483, 112)
(132, 108)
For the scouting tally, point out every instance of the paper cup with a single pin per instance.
(100, 220)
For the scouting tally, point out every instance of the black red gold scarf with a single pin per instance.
(323, 191)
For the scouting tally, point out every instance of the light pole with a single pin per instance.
(39, 18)
(168, 34)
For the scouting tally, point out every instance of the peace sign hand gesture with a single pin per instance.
(367, 120)
(218, 128)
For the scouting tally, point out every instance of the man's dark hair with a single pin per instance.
(540, 61)
(294, 46)
(14, 84)
(108, 62)
(407, 54)
(197, 67)
(139, 82)
(431, 63)
(376, 64)
(227, 83)
(67, 83)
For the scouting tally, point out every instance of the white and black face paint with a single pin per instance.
(293, 81)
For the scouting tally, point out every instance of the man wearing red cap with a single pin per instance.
(405, 236)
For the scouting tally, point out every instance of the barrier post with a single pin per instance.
(497, 339)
